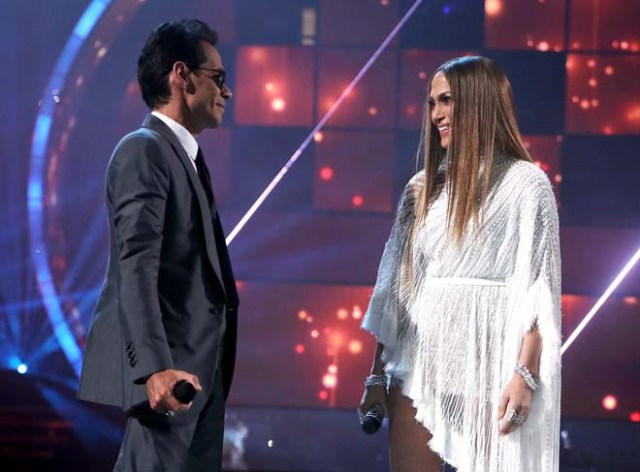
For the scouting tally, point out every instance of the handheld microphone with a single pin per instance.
(184, 392)
(372, 420)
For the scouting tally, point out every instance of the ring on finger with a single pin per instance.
(170, 413)
(514, 417)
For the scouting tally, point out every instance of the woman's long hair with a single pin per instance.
(483, 126)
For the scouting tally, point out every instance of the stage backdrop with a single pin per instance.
(307, 261)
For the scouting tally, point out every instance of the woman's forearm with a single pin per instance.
(530, 351)
(377, 368)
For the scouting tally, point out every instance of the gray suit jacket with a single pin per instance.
(169, 300)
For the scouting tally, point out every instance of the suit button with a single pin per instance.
(217, 308)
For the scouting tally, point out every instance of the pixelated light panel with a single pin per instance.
(338, 28)
(598, 25)
(372, 103)
(417, 68)
(302, 346)
(603, 96)
(542, 27)
(600, 369)
(354, 171)
(275, 86)
(545, 151)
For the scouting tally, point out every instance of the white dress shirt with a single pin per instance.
(187, 140)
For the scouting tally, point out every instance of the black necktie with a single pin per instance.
(205, 179)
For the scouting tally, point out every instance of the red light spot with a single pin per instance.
(329, 381)
(299, 349)
(314, 333)
(422, 75)
(336, 340)
(239, 284)
(609, 70)
(323, 395)
(584, 104)
(635, 416)
(318, 137)
(591, 63)
(332, 369)
(492, 7)
(609, 402)
(373, 111)
(302, 314)
(355, 347)
(624, 45)
(257, 55)
(357, 200)
(543, 46)
(342, 314)
(593, 83)
(630, 300)
(411, 110)
(634, 113)
(326, 173)
(278, 104)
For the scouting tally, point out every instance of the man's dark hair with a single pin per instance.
(168, 43)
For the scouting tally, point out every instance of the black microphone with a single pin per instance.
(183, 390)
(372, 420)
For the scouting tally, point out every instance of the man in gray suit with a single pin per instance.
(167, 311)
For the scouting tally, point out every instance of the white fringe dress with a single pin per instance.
(454, 338)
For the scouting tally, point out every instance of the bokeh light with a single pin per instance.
(609, 402)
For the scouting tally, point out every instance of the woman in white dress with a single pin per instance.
(466, 307)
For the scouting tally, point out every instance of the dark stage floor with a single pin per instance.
(40, 431)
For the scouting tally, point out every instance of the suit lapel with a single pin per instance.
(157, 125)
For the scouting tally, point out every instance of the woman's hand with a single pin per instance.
(514, 405)
(376, 395)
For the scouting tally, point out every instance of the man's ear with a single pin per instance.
(181, 72)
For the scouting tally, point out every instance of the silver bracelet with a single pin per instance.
(373, 380)
(528, 377)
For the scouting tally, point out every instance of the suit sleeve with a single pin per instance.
(137, 188)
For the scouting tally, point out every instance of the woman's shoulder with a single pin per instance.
(415, 184)
(528, 177)
(528, 185)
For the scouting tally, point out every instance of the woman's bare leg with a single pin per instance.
(408, 439)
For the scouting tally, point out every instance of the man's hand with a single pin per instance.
(160, 390)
